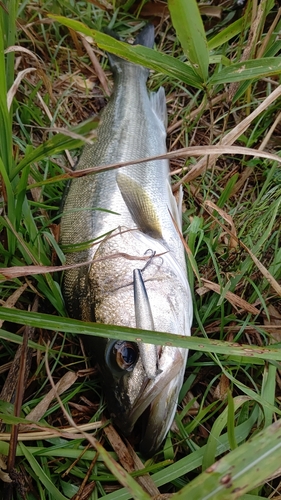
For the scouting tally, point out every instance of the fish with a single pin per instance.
(125, 224)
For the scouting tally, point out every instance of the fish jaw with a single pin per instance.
(162, 412)
(160, 397)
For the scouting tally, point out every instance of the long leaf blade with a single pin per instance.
(239, 471)
(75, 326)
(137, 53)
(190, 31)
(248, 70)
(42, 476)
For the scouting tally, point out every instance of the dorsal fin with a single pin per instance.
(140, 206)
(176, 208)
(158, 105)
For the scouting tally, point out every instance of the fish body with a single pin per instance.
(138, 274)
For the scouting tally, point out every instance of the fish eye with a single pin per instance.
(126, 354)
(122, 355)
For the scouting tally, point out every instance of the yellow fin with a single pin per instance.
(140, 206)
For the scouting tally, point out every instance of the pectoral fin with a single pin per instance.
(140, 206)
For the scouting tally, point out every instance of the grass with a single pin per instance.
(227, 94)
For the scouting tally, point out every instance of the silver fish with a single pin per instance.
(138, 275)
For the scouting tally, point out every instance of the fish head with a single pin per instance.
(134, 398)
(141, 381)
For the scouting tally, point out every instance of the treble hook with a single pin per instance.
(153, 253)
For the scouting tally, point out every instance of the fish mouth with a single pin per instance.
(155, 406)
(161, 413)
(156, 387)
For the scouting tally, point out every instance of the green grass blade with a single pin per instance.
(17, 339)
(219, 425)
(41, 475)
(227, 33)
(10, 419)
(137, 54)
(188, 24)
(231, 421)
(192, 461)
(7, 31)
(240, 471)
(268, 392)
(248, 70)
(74, 326)
(123, 477)
(56, 144)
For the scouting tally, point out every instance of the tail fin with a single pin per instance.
(145, 38)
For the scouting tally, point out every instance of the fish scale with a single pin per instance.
(132, 206)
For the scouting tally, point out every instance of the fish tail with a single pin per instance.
(145, 38)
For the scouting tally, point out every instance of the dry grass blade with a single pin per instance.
(17, 48)
(96, 65)
(275, 321)
(12, 300)
(22, 353)
(86, 489)
(19, 271)
(146, 481)
(194, 113)
(271, 280)
(266, 39)
(235, 300)
(124, 478)
(250, 45)
(75, 432)
(211, 10)
(268, 276)
(70, 133)
(13, 90)
(65, 383)
(248, 170)
(4, 476)
(102, 4)
(129, 459)
(184, 152)
(232, 241)
(21, 380)
(229, 138)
